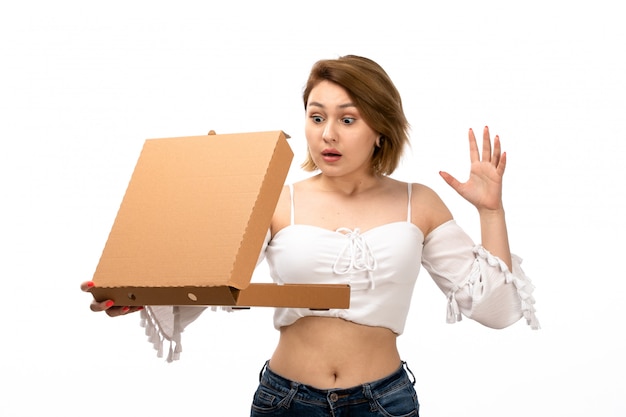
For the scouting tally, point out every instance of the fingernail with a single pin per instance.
(140, 308)
(125, 309)
(90, 284)
(109, 303)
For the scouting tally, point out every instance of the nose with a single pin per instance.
(329, 134)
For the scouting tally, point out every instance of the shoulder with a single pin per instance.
(282, 213)
(423, 194)
(428, 211)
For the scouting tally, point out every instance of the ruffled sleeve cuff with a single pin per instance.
(498, 296)
(164, 325)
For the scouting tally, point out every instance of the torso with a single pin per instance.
(327, 352)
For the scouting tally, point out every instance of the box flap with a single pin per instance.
(196, 211)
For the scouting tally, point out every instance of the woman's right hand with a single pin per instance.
(108, 305)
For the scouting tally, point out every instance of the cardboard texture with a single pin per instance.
(192, 224)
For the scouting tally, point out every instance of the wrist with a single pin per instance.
(487, 213)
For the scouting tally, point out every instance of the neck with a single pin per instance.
(348, 186)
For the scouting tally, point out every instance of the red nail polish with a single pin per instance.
(90, 284)
(140, 308)
(109, 303)
(125, 309)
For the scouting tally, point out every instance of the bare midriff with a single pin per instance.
(326, 352)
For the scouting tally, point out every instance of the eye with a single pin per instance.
(348, 120)
(317, 119)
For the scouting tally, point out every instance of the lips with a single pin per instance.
(331, 155)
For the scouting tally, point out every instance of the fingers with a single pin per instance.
(86, 285)
(498, 158)
(450, 180)
(111, 309)
(502, 164)
(96, 305)
(474, 155)
(486, 145)
(101, 305)
(121, 311)
(495, 158)
(488, 154)
(108, 306)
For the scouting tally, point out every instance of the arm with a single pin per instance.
(163, 324)
(494, 290)
(476, 283)
(494, 235)
(483, 189)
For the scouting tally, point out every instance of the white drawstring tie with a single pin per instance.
(358, 253)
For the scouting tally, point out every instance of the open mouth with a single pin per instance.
(331, 153)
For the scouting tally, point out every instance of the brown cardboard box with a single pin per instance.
(192, 224)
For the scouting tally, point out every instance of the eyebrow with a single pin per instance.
(341, 106)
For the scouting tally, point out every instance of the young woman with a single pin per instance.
(352, 223)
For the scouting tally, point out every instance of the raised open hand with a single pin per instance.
(483, 189)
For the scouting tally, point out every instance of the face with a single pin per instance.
(340, 141)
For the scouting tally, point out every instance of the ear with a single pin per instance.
(379, 140)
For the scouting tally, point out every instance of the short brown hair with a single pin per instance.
(377, 99)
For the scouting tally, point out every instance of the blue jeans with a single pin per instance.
(391, 396)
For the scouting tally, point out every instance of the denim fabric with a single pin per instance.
(392, 396)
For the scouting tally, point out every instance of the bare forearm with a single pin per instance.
(494, 234)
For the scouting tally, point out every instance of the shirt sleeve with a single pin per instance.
(476, 283)
(165, 324)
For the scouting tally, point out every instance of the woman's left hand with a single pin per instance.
(483, 189)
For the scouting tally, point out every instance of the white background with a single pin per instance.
(83, 84)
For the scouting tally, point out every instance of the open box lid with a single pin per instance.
(192, 223)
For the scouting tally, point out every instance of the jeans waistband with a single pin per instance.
(402, 371)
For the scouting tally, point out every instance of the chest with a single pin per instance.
(365, 212)
(310, 254)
